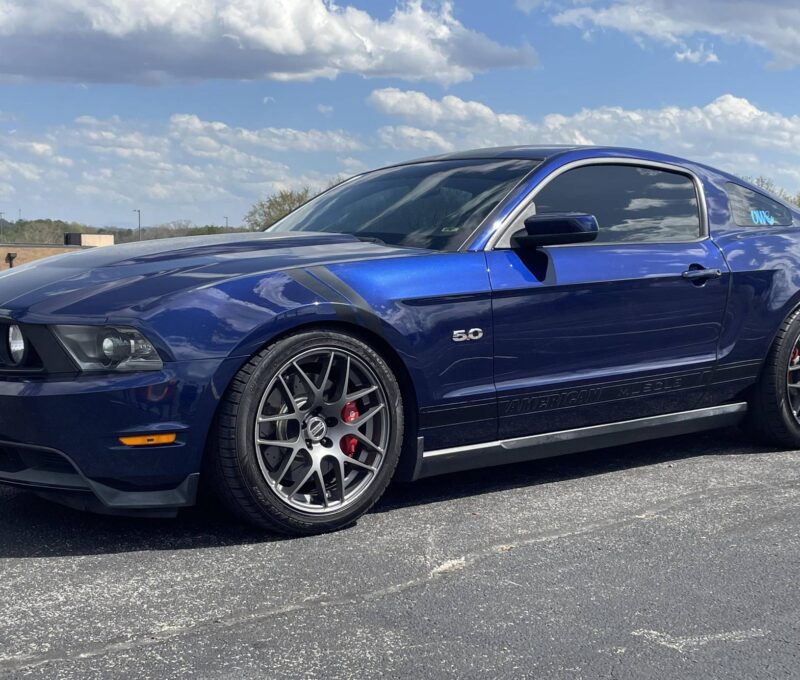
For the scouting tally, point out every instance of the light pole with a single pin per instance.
(139, 213)
(226, 221)
(1, 226)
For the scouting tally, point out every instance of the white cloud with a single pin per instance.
(459, 121)
(325, 109)
(7, 191)
(43, 150)
(162, 40)
(529, 5)
(730, 132)
(187, 167)
(206, 136)
(97, 169)
(352, 166)
(701, 55)
(408, 137)
(11, 170)
(450, 109)
(773, 25)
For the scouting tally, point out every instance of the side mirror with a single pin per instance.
(555, 229)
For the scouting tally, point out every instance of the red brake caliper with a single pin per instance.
(349, 442)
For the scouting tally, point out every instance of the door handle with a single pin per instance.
(701, 274)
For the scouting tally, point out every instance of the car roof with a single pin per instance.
(511, 152)
(543, 153)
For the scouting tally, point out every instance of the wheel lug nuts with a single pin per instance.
(327, 443)
(331, 422)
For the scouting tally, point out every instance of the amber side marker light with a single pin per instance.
(149, 439)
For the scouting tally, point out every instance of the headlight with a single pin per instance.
(17, 348)
(103, 348)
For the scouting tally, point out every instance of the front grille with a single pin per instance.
(10, 460)
(38, 467)
(17, 459)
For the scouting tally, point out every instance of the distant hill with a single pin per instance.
(52, 231)
(263, 214)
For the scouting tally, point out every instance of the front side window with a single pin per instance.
(632, 204)
(752, 209)
(434, 205)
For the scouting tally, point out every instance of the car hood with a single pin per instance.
(101, 282)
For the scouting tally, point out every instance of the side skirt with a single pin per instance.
(551, 444)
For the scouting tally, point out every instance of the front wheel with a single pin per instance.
(309, 434)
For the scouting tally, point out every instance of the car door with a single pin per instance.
(621, 328)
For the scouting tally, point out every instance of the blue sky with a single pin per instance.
(193, 109)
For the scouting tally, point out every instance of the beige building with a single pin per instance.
(89, 240)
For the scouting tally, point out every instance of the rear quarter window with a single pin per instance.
(752, 209)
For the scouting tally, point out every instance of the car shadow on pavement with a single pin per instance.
(728, 442)
(33, 527)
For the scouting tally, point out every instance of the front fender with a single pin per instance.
(346, 316)
(413, 304)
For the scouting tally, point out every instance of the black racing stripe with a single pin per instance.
(340, 304)
(600, 393)
(743, 370)
(367, 317)
(314, 285)
(454, 414)
(430, 421)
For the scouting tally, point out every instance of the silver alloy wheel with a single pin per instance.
(793, 380)
(322, 430)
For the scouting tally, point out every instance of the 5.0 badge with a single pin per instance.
(471, 334)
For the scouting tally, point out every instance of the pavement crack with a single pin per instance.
(689, 643)
(450, 566)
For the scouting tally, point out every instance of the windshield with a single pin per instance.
(434, 205)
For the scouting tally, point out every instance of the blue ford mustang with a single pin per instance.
(461, 311)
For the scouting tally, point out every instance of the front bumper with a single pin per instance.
(53, 475)
(60, 435)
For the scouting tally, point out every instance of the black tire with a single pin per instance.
(236, 473)
(770, 414)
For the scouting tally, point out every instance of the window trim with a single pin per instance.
(764, 195)
(501, 240)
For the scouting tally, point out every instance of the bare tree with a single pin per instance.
(269, 210)
(767, 184)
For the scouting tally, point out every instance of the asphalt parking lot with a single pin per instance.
(673, 559)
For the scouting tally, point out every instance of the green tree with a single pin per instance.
(272, 208)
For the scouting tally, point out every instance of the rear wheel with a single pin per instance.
(775, 406)
(309, 434)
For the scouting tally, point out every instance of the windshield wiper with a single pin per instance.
(371, 239)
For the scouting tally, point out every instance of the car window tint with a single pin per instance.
(435, 204)
(752, 209)
(632, 204)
